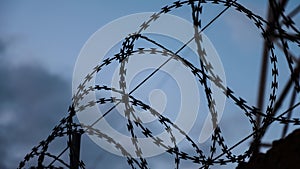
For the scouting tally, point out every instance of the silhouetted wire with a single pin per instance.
(205, 73)
(289, 115)
(58, 156)
(157, 69)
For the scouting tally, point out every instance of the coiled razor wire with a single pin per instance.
(204, 74)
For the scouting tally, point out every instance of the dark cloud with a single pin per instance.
(32, 101)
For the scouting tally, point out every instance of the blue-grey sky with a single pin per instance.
(39, 45)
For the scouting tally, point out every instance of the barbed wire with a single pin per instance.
(204, 74)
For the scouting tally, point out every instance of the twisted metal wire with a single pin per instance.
(204, 74)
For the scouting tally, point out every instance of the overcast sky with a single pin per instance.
(39, 45)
